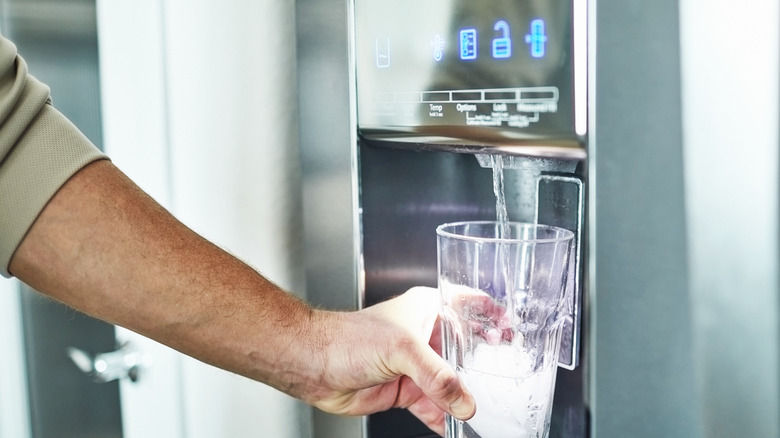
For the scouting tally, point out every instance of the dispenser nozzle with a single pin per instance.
(534, 164)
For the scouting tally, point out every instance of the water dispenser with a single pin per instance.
(444, 90)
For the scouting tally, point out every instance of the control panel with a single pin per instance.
(466, 72)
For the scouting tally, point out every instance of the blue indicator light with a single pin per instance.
(502, 45)
(537, 38)
(468, 44)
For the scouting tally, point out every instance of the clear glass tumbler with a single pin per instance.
(504, 304)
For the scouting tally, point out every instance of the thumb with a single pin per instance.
(440, 383)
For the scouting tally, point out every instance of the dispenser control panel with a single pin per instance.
(479, 71)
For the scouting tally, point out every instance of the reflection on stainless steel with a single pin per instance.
(477, 141)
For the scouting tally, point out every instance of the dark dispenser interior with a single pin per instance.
(405, 194)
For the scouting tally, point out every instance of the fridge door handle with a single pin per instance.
(123, 363)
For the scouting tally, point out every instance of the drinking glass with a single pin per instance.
(504, 304)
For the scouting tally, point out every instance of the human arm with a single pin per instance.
(103, 246)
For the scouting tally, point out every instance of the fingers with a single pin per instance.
(418, 310)
(416, 313)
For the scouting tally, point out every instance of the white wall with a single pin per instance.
(220, 84)
(14, 414)
(231, 91)
(135, 135)
(14, 403)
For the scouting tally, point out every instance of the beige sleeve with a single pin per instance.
(39, 150)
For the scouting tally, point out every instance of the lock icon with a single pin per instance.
(502, 45)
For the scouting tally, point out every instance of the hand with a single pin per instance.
(384, 357)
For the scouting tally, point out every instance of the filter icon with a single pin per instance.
(468, 44)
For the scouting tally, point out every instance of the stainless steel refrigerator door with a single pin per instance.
(642, 372)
